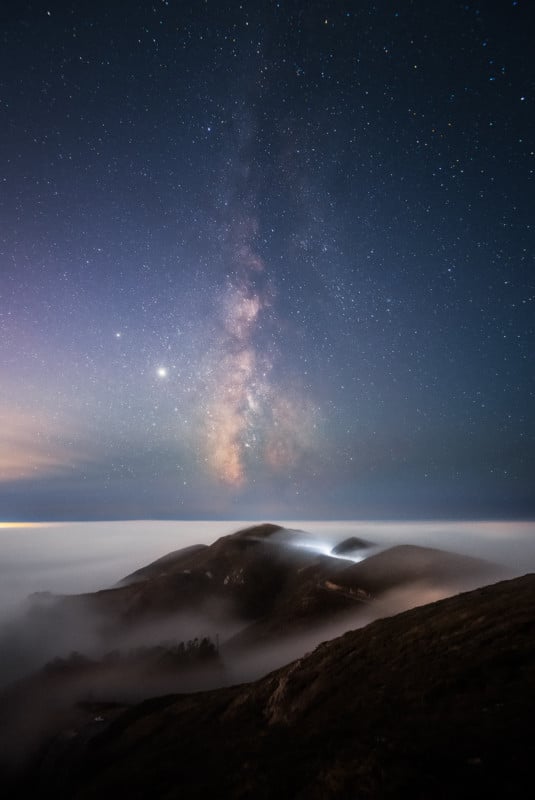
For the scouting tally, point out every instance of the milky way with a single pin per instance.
(248, 418)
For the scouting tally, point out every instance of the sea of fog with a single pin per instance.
(72, 557)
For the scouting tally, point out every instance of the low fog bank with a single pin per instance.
(70, 692)
(75, 557)
(62, 664)
(46, 628)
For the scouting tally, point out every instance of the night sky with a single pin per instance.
(267, 259)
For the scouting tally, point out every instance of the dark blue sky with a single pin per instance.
(267, 259)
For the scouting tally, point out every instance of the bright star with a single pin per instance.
(162, 372)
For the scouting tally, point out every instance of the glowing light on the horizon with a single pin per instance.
(6, 525)
(34, 444)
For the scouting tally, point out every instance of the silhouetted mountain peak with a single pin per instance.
(351, 545)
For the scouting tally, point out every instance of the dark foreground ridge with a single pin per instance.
(436, 702)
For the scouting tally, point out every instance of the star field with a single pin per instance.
(267, 258)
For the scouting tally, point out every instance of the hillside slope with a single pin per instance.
(435, 702)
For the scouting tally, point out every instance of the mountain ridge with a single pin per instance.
(247, 589)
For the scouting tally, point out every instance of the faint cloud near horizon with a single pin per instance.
(34, 445)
